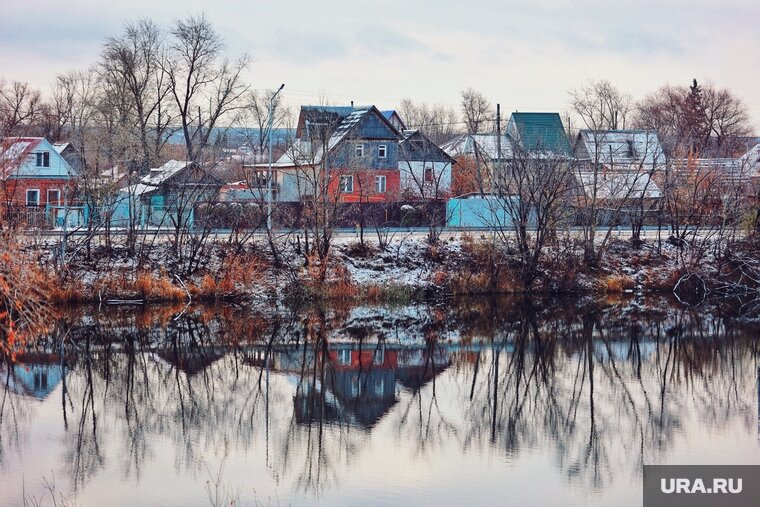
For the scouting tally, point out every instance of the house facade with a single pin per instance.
(424, 168)
(166, 196)
(615, 165)
(352, 152)
(33, 174)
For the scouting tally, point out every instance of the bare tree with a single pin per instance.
(476, 111)
(19, 107)
(436, 121)
(529, 205)
(205, 85)
(256, 113)
(600, 105)
(136, 59)
(703, 120)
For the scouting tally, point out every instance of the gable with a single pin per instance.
(539, 131)
(20, 159)
(417, 147)
(373, 125)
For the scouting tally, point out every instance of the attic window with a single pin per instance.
(43, 159)
(359, 150)
(382, 151)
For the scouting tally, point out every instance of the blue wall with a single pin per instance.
(486, 212)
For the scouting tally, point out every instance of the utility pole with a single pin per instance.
(269, 142)
(498, 144)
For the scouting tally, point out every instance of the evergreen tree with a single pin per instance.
(694, 117)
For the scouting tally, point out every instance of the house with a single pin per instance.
(425, 168)
(166, 196)
(33, 174)
(621, 150)
(70, 154)
(476, 156)
(393, 117)
(539, 132)
(615, 165)
(352, 151)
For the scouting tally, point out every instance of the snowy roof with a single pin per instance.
(59, 147)
(752, 159)
(619, 185)
(731, 169)
(157, 176)
(485, 144)
(620, 147)
(301, 150)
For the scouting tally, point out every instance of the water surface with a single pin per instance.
(475, 402)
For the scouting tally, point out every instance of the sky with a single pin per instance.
(525, 55)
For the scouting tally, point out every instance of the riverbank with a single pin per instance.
(403, 269)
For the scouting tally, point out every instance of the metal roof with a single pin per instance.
(539, 132)
(620, 147)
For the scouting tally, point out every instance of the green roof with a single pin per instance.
(540, 131)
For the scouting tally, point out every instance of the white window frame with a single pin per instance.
(347, 189)
(381, 188)
(344, 356)
(425, 173)
(359, 150)
(58, 199)
(379, 356)
(382, 151)
(40, 158)
(27, 197)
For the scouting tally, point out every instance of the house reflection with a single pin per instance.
(35, 375)
(359, 386)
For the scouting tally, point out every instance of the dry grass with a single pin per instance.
(617, 284)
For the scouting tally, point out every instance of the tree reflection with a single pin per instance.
(603, 388)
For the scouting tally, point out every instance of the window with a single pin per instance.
(347, 184)
(382, 151)
(260, 178)
(32, 197)
(631, 149)
(356, 386)
(359, 150)
(53, 197)
(428, 174)
(380, 184)
(43, 159)
(344, 356)
(379, 386)
(379, 356)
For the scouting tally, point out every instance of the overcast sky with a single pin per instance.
(519, 53)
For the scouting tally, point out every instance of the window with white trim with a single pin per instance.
(359, 150)
(379, 356)
(43, 159)
(344, 356)
(382, 151)
(428, 174)
(32, 197)
(380, 184)
(53, 196)
(347, 184)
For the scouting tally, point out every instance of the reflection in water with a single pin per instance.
(314, 401)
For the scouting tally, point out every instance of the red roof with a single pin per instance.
(14, 151)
